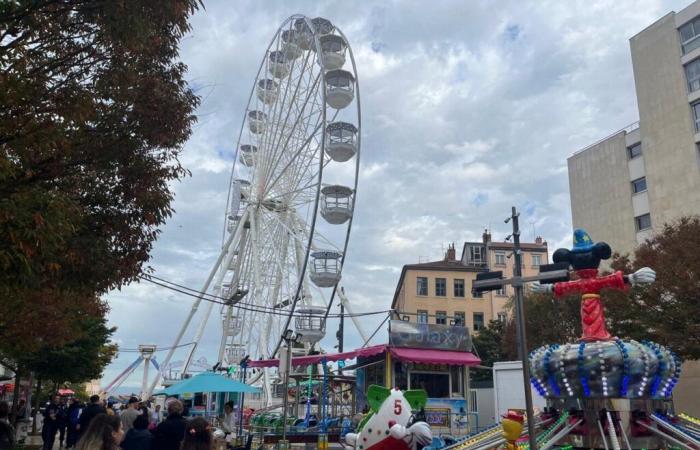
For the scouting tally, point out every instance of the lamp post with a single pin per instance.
(490, 281)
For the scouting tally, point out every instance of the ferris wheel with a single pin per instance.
(291, 196)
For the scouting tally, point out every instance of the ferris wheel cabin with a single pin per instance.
(310, 325)
(333, 48)
(304, 35)
(247, 154)
(290, 47)
(325, 268)
(340, 88)
(235, 353)
(341, 141)
(322, 26)
(257, 120)
(278, 64)
(336, 204)
(233, 327)
(244, 186)
(267, 91)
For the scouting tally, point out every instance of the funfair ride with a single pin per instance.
(291, 198)
(602, 391)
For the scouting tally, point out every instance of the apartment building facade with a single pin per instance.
(440, 291)
(628, 185)
(634, 181)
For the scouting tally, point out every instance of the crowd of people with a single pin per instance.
(99, 426)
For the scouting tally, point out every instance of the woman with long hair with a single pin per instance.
(104, 433)
(197, 435)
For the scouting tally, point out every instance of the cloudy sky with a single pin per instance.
(468, 109)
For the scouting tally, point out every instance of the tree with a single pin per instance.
(488, 343)
(95, 111)
(667, 310)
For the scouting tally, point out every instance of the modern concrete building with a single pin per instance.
(630, 183)
(440, 291)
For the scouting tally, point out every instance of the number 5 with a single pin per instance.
(397, 407)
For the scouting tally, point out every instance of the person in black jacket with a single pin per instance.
(94, 408)
(169, 434)
(51, 422)
(138, 438)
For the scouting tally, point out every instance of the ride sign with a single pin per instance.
(431, 336)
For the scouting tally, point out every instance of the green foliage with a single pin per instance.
(95, 111)
(666, 311)
(489, 345)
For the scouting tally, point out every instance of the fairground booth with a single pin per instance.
(432, 357)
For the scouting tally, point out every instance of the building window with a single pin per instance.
(689, 35)
(634, 151)
(441, 317)
(422, 316)
(458, 287)
(643, 222)
(536, 260)
(440, 287)
(692, 74)
(501, 292)
(476, 253)
(502, 317)
(436, 385)
(478, 321)
(696, 115)
(500, 258)
(639, 185)
(422, 286)
(459, 319)
(478, 294)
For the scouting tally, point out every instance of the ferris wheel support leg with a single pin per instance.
(355, 320)
(123, 376)
(195, 307)
(224, 334)
(144, 382)
(230, 253)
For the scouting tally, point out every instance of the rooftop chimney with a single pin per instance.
(451, 254)
(486, 237)
(538, 240)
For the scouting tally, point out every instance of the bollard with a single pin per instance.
(283, 444)
(322, 441)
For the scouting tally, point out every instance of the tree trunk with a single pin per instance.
(15, 395)
(36, 404)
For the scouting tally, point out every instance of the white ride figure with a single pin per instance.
(386, 425)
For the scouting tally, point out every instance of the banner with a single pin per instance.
(431, 336)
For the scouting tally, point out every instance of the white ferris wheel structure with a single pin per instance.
(291, 199)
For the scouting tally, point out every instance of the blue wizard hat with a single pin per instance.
(582, 241)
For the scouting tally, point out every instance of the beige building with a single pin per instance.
(630, 183)
(440, 291)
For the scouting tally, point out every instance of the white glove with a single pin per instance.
(539, 288)
(645, 275)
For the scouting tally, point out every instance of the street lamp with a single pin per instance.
(490, 281)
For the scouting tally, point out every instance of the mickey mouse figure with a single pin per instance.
(584, 258)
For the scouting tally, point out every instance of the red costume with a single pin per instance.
(589, 285)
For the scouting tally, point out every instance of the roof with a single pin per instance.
(455, 266)
(420, 355)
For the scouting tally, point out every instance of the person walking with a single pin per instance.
(156, 418)
(104, 433)
(138, 438)
(51, 422)
(89, 412)
(62, 420)
(169, 434)
(197, 435)
(73, 417)
(7, 431)
(228, 424)
(132, 412)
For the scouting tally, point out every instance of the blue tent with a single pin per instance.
(207, 382)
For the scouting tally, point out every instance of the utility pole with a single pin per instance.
(490, 281)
